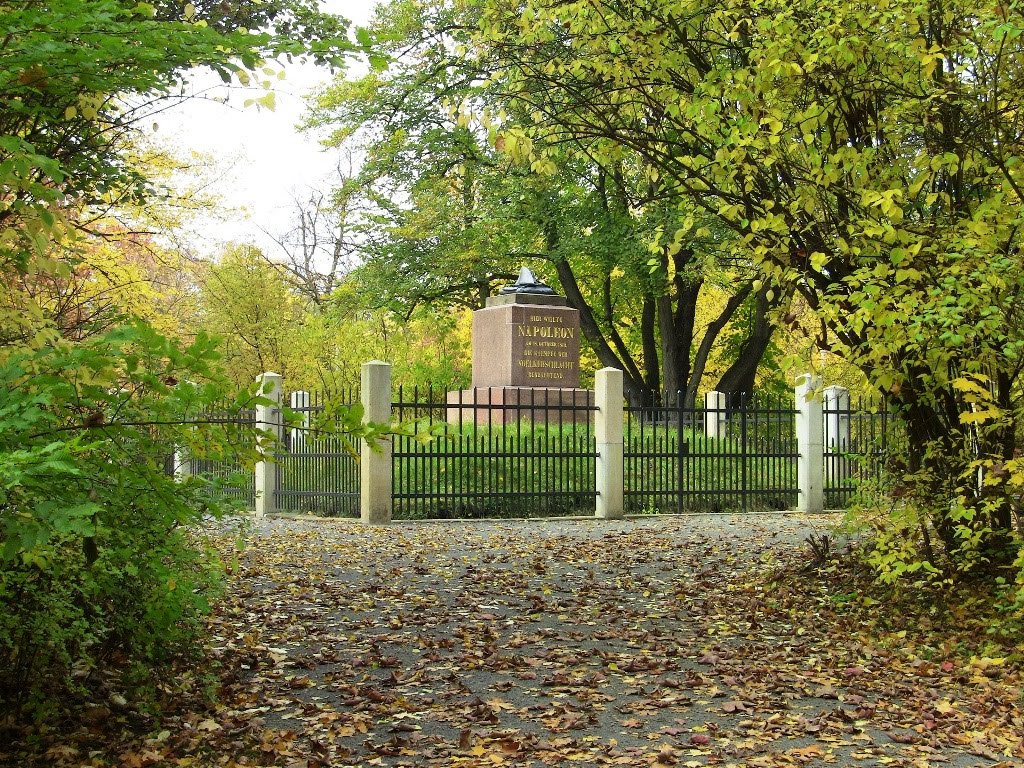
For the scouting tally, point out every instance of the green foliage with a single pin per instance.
(876, 175)
(441, 221)
(1011, 597)
(94, 567)
(93, 562)
(263, 324)
(76, 78)
(457, 201)
(247, 304)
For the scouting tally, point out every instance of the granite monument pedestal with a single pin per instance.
(526, 353)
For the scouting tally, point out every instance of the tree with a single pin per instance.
(428, 347)
(457, 211)
(250, 306)
(430, 233)
(109, 274)
(323, 244)
(876, 174)
(94, 564)
(75, 80)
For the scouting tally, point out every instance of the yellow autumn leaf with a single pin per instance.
(980, 417)
(945, 707)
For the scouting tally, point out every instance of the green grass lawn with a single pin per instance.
(527, 470)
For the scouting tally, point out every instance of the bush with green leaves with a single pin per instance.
(94, 563)
(95, 566)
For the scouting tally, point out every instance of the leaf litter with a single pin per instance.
(676, 641)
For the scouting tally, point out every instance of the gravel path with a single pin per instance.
(543, 642)
(787, 527)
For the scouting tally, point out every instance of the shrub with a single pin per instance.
(94, 563)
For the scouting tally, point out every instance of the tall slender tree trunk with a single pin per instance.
(672, 363)
(739, 378)
(652, 368)
(710, 336)
(677, 312)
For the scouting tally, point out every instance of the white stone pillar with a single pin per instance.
(608, 431)
(837, 432)
(810, 444)
(182, 465)
(268, 419)
(375, 460)
(299, 402)
(714, 414)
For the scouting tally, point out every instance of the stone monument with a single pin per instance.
(526, 359)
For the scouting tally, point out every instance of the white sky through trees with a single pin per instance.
(262, 160)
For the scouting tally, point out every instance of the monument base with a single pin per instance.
(526, 341)
(507, 405)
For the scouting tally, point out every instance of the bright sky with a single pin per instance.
(262, 159)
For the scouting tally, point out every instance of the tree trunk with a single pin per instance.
(652, 369)
(942, 459)
(633, 384)
(710, 335)
(677, 310)
(670, 351)
(739, 379)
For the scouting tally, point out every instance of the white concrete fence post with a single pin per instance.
(375, 461)
(810, 444)
(268, 419)
(299, 402)
(608, 431)
(837, 433)
(715, 424)
(182, 465)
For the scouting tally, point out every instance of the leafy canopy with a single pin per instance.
(868, 157)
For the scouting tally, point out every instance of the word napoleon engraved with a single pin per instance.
(545, 348)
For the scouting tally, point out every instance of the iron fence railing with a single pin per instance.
(698, 459)
(317, 468)
(487, 453)
(228, 477)
(495, 454)
(858, 438)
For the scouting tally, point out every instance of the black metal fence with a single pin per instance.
(488, 453)
(318, 468)
(739, 458)
(229, 478)
(858, 438)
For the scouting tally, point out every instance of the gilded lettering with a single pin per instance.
(547, 331)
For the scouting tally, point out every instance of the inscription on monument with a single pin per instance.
(526, 351)
(545, 347)
(547, 353)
